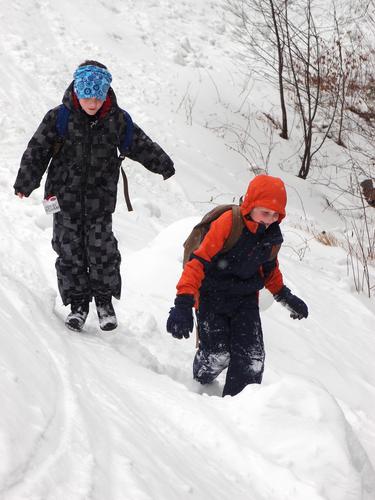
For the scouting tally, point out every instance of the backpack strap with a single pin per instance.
(274, 252)
(61, 128)
(124, 150)
(128, 138)
(126, 190)
(236, 231)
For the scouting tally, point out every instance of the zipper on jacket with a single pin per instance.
(85, 174)
(86, 165)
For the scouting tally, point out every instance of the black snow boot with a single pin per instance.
(106, 313)
(78, 315)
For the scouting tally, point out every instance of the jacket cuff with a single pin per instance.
(282, 293)
(184, 300)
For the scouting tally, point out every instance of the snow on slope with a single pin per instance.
(117, 416)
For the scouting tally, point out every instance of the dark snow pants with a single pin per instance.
(230, 335)
(88, 262)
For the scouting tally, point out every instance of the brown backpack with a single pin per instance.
(199, 231)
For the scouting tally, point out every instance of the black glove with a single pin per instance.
(180, 321)
(168, 173)
(298, 309)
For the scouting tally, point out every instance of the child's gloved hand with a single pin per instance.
(298, 309)
(168, 173)
(180, 321)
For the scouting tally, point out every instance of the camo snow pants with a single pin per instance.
(88, 262)
(230, 335)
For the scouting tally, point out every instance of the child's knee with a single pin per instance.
(207, 366)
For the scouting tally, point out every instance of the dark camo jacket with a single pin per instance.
(84, 174)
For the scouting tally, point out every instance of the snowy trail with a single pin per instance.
(112, 415)
(124, 407)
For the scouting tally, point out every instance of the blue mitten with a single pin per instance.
(298, 309)
(180, 321)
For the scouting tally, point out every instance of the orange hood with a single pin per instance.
(265, 191)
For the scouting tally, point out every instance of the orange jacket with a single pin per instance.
(263, 191)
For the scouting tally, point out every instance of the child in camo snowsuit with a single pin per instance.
(83, 176)
(226, 285)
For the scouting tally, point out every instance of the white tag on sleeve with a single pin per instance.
(51, 206)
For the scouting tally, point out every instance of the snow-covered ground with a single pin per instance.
(117, 416)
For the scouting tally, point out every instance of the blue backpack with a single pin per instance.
(124, 148)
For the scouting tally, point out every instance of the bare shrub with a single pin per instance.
(327, 239)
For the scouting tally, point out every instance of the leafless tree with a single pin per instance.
(327, 71)
(308, 69)
(259, 31)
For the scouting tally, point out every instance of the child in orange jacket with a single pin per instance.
(227, 285)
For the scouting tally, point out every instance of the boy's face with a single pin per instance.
(91, 105)
(264, 215)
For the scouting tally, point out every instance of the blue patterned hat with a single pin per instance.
(92, 81)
